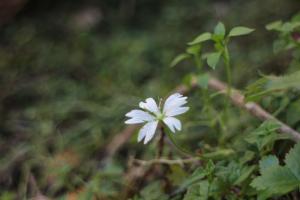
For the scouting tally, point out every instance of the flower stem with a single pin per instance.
(161, 142)
(179, 148)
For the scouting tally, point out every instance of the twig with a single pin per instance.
(117, 142)
(256, 110)
(166, 161)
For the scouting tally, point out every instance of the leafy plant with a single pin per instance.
(278, 179)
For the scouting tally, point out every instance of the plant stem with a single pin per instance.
(179, 148)
(228, 70)
(161, 142)
(229, 80)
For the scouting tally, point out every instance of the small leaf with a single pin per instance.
(220, 29)
(240, 30)
(274, 25)
(194, 50)
(245, 173)
(213, 59)
(201, 38)
(198, 191)
(219, 154)
(179, 58)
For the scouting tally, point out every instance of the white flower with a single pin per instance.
(152, 114)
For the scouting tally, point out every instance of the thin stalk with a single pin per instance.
(178, 147)
(228, 70)
(229, 79)
(161, 142)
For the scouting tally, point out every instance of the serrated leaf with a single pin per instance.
(256, 90)
(292, 160)
(276, 180)
(220, 29)
(264, 136)
(179, 58)
(267, 162)
(198, 191)
(284, 82)
(213, 59)
(240, 30)
(245, 173)
(201, 38)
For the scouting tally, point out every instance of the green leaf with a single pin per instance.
(292, 113)
(194, 50)
(274, 26)
(240, 30)
(203, 80)
(177, 174)
(284, 82)
(219, 154)
(153, 191)
(196, 177)
(201, 38)
(220, 29)
(264, 136)
(179, 58)
(245, 173)
(276, 179)
(292, 160)
(198, 191)
(213, 59)
(279, 45)
(287, 27)
(268, 162)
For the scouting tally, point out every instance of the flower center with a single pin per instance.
(160, 116)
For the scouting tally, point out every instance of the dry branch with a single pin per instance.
(256, 110)
(167, 161)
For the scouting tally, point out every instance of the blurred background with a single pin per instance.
(70, 70)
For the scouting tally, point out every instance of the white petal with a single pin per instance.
(147, 131)
(174, 101)
(176, 111)
(134, 121)
(143, 132)
(149, 105)
(172, 123)
(138, 116)
(171, 97)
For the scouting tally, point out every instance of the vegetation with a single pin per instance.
(70, 71)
